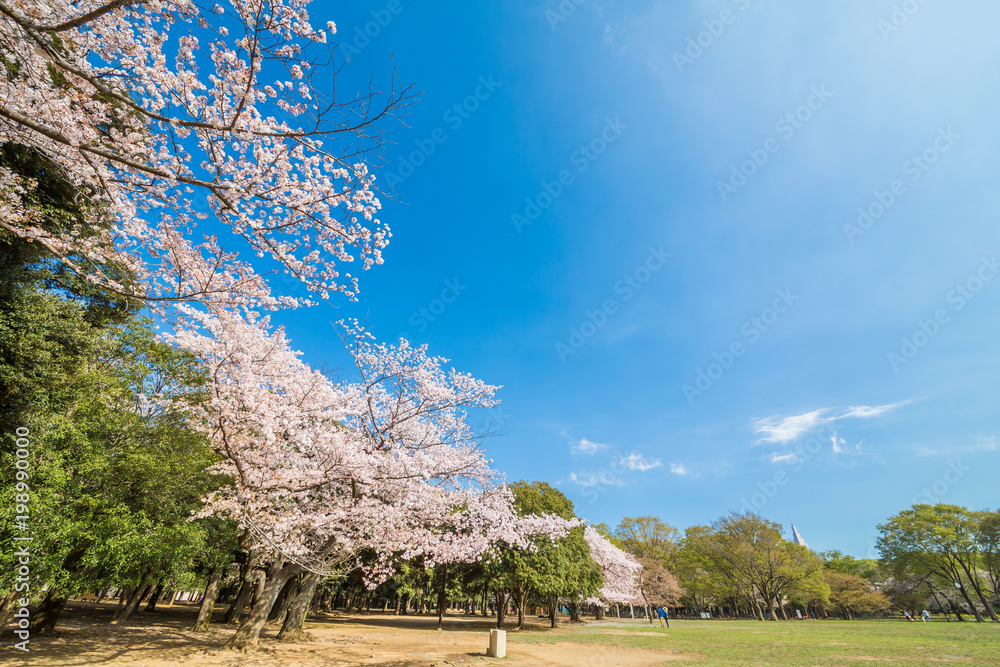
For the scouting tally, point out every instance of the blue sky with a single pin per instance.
(635, 197)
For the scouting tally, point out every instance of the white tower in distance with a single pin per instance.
(798, 538)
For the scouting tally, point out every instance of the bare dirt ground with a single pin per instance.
(164, 639)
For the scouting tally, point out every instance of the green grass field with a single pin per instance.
(803, 642)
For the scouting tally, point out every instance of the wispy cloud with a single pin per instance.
(584, 446)
(865, 411)
(639, 462)
(784, 430)
(784, 458)
(602, 477)
(985, 444)
(678, 469)
(838, 443)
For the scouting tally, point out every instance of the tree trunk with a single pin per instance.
(249, 632)
(208, 600)
(123, 596)
(47, 615)
(443, 595)
(553, 611)
(955, 609)
(574, 612)
(501, 597)
(137, 595)
(521, 600)
(972, 605)
(399, 601)
(285, 597)
(8, 605)
(291, 629)
(770, 610)
(243, 595)
(155, 597)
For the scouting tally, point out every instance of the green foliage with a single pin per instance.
(114, 476)
(866, 568)
(649, 537)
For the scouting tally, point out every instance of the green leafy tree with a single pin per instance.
(649, 537)
(941, 540)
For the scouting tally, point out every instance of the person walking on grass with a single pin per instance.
(664, 617)
(925, 616)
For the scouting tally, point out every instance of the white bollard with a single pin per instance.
(498, 644)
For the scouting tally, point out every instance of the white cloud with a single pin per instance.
(602, 477)
(866, 411)
(585, 446)
(786, 429)
(837, 442)
(678, 469)
(784, 458)
(639, 462)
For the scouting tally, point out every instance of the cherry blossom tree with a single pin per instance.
(322, 471)
(177, 122)
(621, 571)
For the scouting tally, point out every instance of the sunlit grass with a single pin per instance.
(799, 642)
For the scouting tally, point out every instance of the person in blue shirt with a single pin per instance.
(664, 617)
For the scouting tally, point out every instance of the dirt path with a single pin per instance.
(163, 640)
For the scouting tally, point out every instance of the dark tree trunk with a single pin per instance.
(956, 610)
(47, 615)
(208, 600)
(442, 595)
(291, 629)
(134, 600)
(123, 596)
(521, 601)
(972, 605)
(574, 612)
(553, 612)
(155, 597)
(501, 597)
(280, 606)
(249, 632)
(243, 595)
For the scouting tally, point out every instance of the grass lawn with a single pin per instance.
(798, 642)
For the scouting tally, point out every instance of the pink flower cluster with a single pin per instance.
(231, 128)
